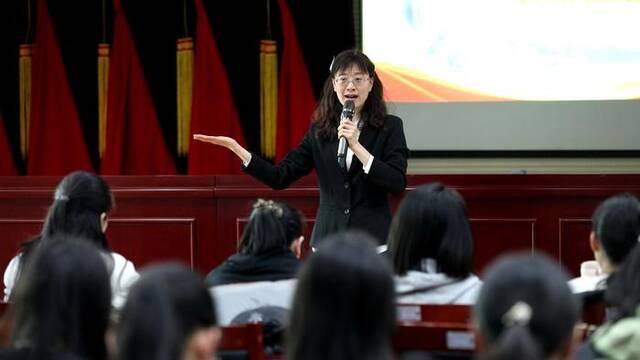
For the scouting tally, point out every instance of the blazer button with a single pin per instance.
(346, 184)
(346, 211)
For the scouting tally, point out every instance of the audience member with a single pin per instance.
(526, 310)
(61, 304)
(620, 337)
(80, 206)
(614, 233)
(344, 306)
(169, 314)
(269, 247)
(431, 248)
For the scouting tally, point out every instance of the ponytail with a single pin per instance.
(623, 288)
(57, 216)
(515, 342)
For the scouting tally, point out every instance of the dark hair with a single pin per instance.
(271, 225)
(432, 222)
(294, 223)
(623, 289)
(525, 309)
(327, 113)
(63, 300)
(164, 307)
(616, 222)
(344, 305)
(78, 202)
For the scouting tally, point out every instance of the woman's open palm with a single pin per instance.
(216, 140)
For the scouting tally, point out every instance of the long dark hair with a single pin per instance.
(294, 223)
(63, 299)
(164, 307)
(525, 309)
(78, 202)
(272, 225)
(327, 113)
(623, 289)
(344, 305)
(432, 222)
(616, 222)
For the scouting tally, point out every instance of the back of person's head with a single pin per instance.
(343, 307)
(616, 223)
(432, 222)
(166, 308)
(623, 291)
(63, 300)
(265, 230)
(80, 204)
(294, 223)
(525, 309)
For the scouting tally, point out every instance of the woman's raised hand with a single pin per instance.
(229, 143)
(225, 141)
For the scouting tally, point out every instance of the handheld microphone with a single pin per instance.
(347, 113)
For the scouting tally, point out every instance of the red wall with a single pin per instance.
(197, 219)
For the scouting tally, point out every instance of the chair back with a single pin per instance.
(242, 342)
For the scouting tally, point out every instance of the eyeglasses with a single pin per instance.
(357, 81)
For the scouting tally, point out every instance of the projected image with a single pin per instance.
(492, 50)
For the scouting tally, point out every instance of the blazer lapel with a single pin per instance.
(367, 136)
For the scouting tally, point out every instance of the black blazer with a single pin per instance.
(350, 199)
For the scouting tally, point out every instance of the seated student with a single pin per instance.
(169, 314)
(80, 206)
(615, 231)
(620, 337)
(269, 248)
(344, 304)
(431, 248)
(61, 304)
(525, 310)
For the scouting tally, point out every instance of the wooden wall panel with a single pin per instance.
(573, 243)
(147, 240)
(496, 236)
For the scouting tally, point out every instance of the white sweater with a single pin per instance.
(462, 292)
(122, 276)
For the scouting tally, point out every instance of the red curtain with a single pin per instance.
(7, 167)
(213, 111)
(56, 141)
(134, 141)
(296, 100)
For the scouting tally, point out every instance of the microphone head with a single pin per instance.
(348, 109)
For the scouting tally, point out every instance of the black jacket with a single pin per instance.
(277, 264)
(350, 199)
